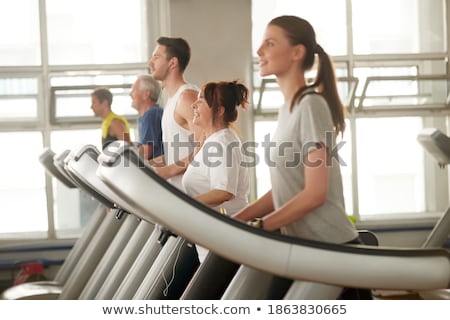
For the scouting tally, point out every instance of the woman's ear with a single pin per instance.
(221, 111)
(299, 52)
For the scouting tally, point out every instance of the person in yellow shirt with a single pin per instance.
(114, 127)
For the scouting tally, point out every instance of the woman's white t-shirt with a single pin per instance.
(220, 164)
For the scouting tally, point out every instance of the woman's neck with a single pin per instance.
(213, 129)
(290, 84)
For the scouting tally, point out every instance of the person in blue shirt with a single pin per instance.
(145, 94)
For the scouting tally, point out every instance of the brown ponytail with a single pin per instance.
(300, 31)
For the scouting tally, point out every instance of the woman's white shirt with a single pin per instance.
(220, 164)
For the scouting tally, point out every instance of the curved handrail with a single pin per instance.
(154, 199)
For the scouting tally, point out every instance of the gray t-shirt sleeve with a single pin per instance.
(316, 123)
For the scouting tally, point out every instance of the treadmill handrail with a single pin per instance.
(129, 155)
(47, 159)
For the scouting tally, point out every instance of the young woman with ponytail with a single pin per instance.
(306, 199)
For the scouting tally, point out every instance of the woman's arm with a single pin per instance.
(215, 197)
(312, 196)
(257, 209)
(169, 171)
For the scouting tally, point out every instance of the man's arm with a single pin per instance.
(158, 161)
(184, 115)
(146, 150)
(117, 129)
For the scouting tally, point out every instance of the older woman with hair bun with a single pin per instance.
(217, 175)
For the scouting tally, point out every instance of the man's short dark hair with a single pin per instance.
(103, 94)
(178, 48)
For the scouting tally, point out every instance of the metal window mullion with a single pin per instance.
(44, 117)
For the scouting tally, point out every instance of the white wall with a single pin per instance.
(219, 33)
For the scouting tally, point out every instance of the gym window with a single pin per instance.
(393, 80)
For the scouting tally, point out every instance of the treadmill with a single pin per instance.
(125, 268)
(437, 144)
(323, 268)
(54, 166)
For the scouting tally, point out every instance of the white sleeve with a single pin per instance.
(224, 167)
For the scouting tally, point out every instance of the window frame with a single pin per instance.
(356, 110)
(54, 119)
(45, 121)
